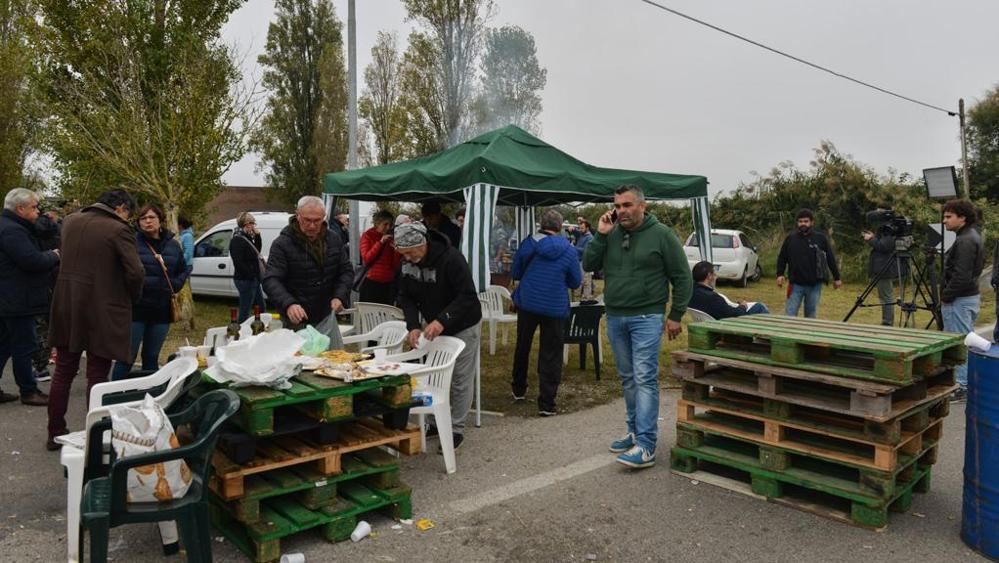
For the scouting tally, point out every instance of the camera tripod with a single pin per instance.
(903, 269)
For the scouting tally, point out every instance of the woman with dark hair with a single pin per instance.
(248, 264)
(383, 262)
(165, 273)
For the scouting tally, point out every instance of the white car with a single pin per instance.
(212, 271)
(734, 257)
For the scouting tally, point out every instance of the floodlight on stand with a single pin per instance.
(941, 183)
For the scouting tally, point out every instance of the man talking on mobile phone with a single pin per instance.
(641, 258)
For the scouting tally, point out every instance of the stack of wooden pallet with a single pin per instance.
(838, 419)
(308, 457)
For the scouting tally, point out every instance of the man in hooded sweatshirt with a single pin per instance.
(643, 262)
(547, 267)
(437, 296)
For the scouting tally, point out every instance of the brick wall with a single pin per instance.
(236, 199)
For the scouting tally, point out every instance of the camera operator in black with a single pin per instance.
(882, 245)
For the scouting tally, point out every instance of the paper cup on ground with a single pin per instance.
(293, 558)
(976, 342)
(361, 531)
(188, 352)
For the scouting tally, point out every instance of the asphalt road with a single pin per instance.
(526, 490)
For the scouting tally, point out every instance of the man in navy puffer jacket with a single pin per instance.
(547, 267)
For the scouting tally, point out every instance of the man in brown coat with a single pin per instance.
(99, 279)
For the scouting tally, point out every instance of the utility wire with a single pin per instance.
(798, 59)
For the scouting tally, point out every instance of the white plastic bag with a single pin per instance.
(267, 359)
(141, 430)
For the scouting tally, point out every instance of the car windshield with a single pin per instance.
(717, 241)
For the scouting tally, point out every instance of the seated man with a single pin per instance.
(706, 300)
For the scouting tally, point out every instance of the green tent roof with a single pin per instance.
(529, 171)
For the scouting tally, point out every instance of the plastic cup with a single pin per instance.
(188, 351)
(293, 558)
(380, 353)
(361, 531)
(976, 342)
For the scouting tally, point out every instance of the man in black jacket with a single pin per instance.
(308, 268)
(960, 300)
(435, 282)
(24, 290)
(434, 218)
(706, 300)
(882, 245)
(809, 260)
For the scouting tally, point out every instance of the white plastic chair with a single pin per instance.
(370, 315)
(388, 335)
(699, 316)
(495, 313)
(74, 458)
(438, 357)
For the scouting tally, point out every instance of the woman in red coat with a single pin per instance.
(378, 250)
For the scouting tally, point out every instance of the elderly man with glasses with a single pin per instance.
(308, 269)
(24, 280)
(641, 258)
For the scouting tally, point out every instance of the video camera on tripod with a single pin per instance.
(893, 224)
(902, 268)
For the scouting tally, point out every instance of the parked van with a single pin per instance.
(212, 272)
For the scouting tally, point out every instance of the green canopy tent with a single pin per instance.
(509, 166)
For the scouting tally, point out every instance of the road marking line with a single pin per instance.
(530, 484)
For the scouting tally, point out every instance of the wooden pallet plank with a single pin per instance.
(818, 442)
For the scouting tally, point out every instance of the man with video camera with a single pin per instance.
(882, 245)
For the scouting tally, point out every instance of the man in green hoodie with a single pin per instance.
(640, 258)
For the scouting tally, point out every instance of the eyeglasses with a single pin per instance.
(626, 241)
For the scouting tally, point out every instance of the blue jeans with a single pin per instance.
(959, 317)
(635, 342)
(995, 331)
(151, 337)
(250, 294)
(810, 293)
(18, 341)
(758, 308)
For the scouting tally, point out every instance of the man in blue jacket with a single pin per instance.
(24, 283)
(547, 267)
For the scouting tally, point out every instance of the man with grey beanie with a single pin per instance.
(435, 282)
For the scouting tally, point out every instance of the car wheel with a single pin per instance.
(757, 274)
(744, 280)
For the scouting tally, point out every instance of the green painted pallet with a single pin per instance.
(898, 356)
(285, 516)
(870, 487)
(321, 398)
(870, 400)
(917, 418)
(313, 489)
(805, 440)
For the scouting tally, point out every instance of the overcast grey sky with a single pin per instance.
(631, 86)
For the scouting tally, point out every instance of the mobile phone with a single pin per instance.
(614, 216)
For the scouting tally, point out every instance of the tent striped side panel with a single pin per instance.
(480, 205)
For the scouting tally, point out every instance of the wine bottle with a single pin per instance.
(232, 329)
(257, 326)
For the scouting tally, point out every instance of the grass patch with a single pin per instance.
(580, 389)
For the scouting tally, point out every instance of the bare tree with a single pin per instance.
(455, 29)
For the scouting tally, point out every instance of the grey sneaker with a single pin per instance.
(623, 444)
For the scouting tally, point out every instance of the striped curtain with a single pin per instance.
(525, 222)
(480, 208)
(699, 208)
